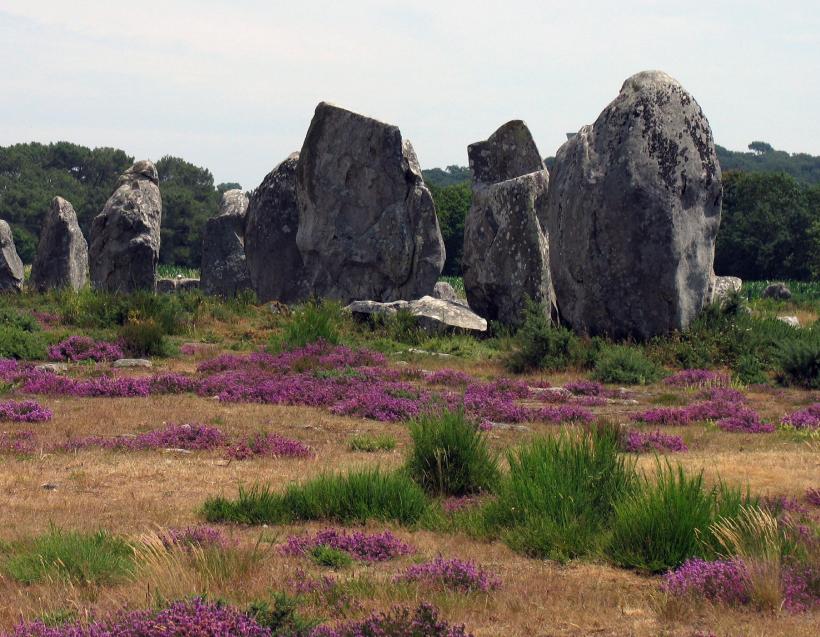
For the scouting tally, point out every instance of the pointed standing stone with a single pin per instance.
(62, 253)
(11, 267)
(224, 270)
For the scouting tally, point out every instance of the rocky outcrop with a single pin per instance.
(273, 258)
(432, 314)
(778, 291)
(11, 267)
(633, 210)
(224, 270)
(506, 249)
(367, 223)
(62, 253)
(125, 236)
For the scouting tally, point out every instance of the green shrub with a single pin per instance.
(800, 364)
(625, 364)
(144, 338)
(281, 616)
(370, 444)
(538, 344)
(357, 496)
(81, 558)
(559, 494)
(450, 456)
(666, 521)
(21, 344)
(749, 369)
(330, 557)
(9, 317)
(311, 322)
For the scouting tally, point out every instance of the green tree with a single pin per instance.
(452, 206)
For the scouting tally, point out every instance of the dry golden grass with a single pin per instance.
(137, 493)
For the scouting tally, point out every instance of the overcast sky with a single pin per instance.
(232, 84)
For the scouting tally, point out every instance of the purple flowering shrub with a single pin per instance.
(399, 622)
(813, 497)
(452, 574)
(376, 547)
(269, 445)
(83, 348)
(730, 415)
(808, 418)
(641, 442)
(192, 437)
(18, 442)
(449, 378)
(697, 378)
(195, 618)
(24, 411)
(585, 388)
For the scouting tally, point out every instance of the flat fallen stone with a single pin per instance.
(55, 368)
(432, 314)
(132, 362)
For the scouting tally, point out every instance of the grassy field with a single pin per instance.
(241, 466)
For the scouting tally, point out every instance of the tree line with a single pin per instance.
(770, 227)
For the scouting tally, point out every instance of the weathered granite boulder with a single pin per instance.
(722, 287)
(506, 250)
(444, 291)
(125, 236)
(367, 223)
(11, 267)
(432, 314)
(273, 259)
(778, 291)
(62, 253)
(633, 210)
(224, 271)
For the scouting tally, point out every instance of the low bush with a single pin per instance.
(370, 444)
(280, 615)
(450, 456)
(9, 317)
(80, 558)
(800, 364)
(330, 557)
(311, 322)
(399, 622)
(560, 493)
(21, 344)
(627, 365)
(144, 338)
(357, 496)
(538, 344)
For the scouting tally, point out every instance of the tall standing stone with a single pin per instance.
(506, 250)
(224, 271)
(367, 223)
(633, 211)
(11, 267)
(274, 262)
(125, 236)
(62, 253)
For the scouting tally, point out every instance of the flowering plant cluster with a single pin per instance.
(808, 418)
(399, 622)
(729, 416)
(813, 497)
(449, 378)
(453, 574)
(376, 547)
(585, 388)
(270, 445)
(24, 411)
(18, 442)
(697, 378)
(82, 348)
(641, 442)
(192, 437)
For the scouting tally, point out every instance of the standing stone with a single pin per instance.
(11, 267)
(273, 259)
(506, 250)
(367, 223)
(633, 210)
(62, 253)
(224, 271)
(125, 236)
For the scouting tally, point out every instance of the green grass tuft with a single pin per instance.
(371, 444)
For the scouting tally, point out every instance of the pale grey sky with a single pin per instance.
(231, 85)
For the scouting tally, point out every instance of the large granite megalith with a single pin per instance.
(274, 262)
(62, 253)
(224, 271)
(633, 210)
(506, 251)
(125, 236)
(367, 223)
(11, 267)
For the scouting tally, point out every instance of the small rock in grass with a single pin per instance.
(54, 368)
(792, 321)
(132, 362)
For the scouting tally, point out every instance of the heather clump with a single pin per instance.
(653, 441)
(697, 378)
(808, 418)
(724, 581)
(399, 622)
(366, 547)
(24, 411)
(729, 415)
(18, 442)
(83, 348)
(451, 574)
(449, 378)
(269, 445)
(191, 437)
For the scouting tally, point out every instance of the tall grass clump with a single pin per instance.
(370, 443)
(625, 364)
(81, 558)
(358, 496)
(667, 520)
(144, 338)
(311, 322)
(558, 497)
(538, 344)
(450, 456)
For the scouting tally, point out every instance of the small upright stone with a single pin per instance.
(506, 249)
(633, 211)
(11, 267)
(62, 253)
(125, 236)
(367, 222)
(224, 270)
(274, 262)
